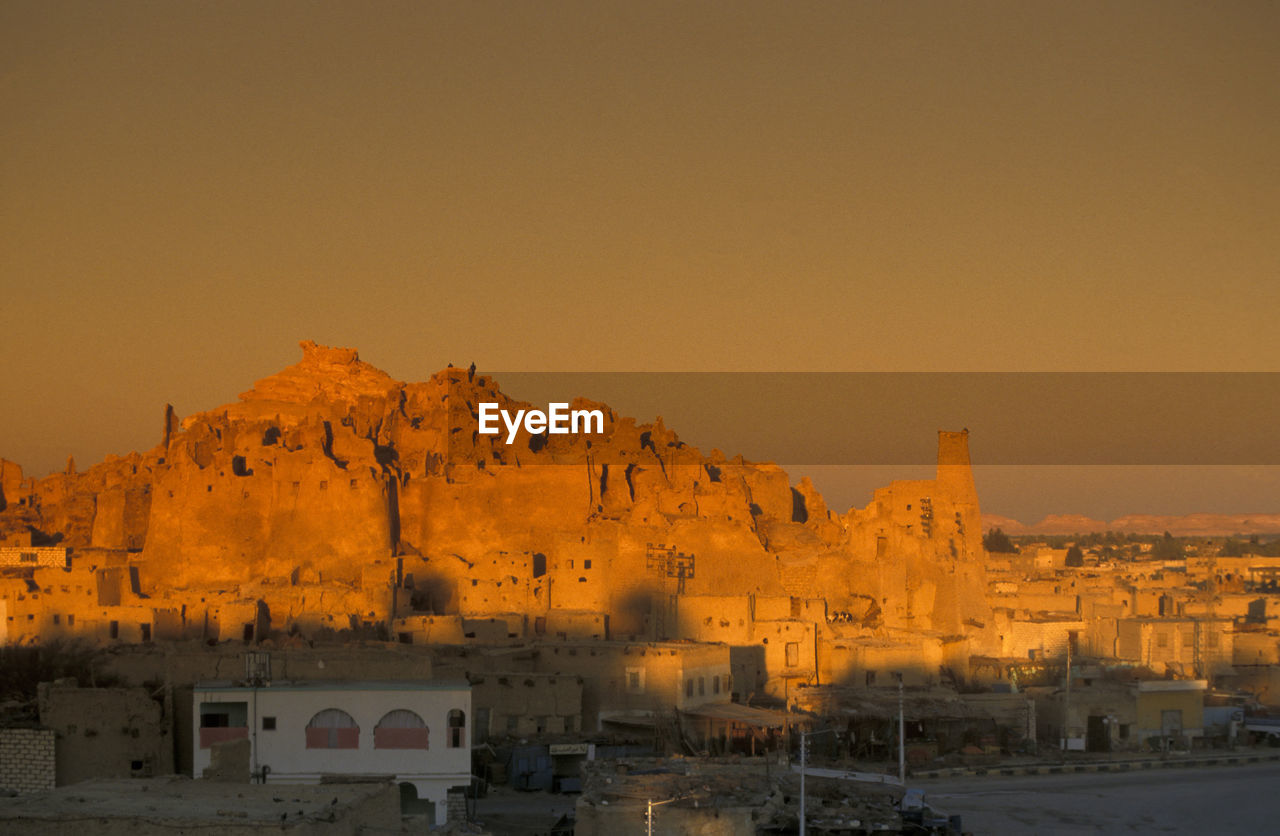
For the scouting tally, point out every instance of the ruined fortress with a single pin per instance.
(620, 587)
(334, 500)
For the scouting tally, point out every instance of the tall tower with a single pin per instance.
(961, 603)
(955, 475)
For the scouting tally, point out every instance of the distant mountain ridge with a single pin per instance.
(1188, 525)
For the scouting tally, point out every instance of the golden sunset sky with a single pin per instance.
(189, 188)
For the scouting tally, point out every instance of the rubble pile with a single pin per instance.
(762, 795)
(831, 806)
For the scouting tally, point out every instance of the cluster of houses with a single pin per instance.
(1102, 655)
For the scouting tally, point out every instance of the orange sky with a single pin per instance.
(187, 189)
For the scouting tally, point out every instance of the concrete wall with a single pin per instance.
(715, 618)
(1184, 642)
(1040, 639)
(576, 624)
(866, 661)
(106, 732)
(790, 653)
(662, 671)
(1255, 649)
(428, 629)
(525, 704)
(1115, 701)
(1154, 698)
(26, 760)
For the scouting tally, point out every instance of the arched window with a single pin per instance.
(400, 729)
(457, 729)
(333, 728)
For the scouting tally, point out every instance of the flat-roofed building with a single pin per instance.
(300, 732)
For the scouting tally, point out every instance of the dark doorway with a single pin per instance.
(1099, 734)
(411, 804)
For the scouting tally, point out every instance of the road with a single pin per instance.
(1238, 799)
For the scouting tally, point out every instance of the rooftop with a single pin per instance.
(335, 685)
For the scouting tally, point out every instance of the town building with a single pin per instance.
(299, 732)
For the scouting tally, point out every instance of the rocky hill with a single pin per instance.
(331, 472)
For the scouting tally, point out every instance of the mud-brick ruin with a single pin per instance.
(351, 526)
(334, 498)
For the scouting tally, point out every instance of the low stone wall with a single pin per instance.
(1128, 765)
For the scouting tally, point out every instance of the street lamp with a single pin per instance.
(648, 813)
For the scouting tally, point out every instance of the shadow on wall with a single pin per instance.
(40, 538)
(433, 594)
(746, 665)
(885, 676)
(411, 805)
(393, 508)
(632, 615)
(24, 667)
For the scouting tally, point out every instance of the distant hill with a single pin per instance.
(1190, 525)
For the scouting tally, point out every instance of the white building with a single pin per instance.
(301, 731)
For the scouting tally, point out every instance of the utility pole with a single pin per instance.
(1196, 662)
(1066, 703)
(902, 738)
(804, 747)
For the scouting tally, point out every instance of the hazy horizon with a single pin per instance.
(852, 433)
(189, 189)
